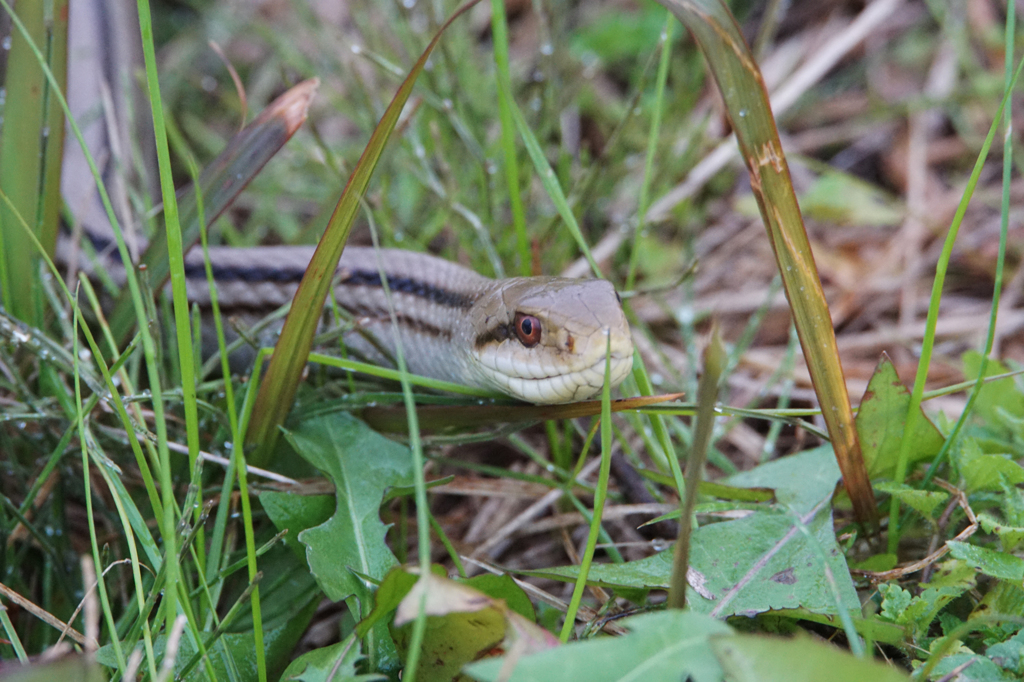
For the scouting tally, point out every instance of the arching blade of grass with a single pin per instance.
(746, 101)
(220, 182)
(277, 391)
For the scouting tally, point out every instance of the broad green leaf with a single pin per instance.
(295, 513)
(670, 645)
(990, 562)
(503, 587)
(756, 658)
(723, 553)
(390, 593)
(881, 420)
(800, 481)
(363, 465)
(323, 665)
(463, 625)
(1004, 597)
(923, 501)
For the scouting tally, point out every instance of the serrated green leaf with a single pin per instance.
(923, 501)
(1009, 536)
(990, 562)
(295, 513)
(363, 465)
(951, 580)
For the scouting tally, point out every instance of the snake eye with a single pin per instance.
(527, 328)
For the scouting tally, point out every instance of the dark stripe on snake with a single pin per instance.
(370, 278)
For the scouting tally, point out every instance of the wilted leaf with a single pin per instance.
(463, 625)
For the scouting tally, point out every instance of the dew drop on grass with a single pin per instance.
(356, 49)
(408, 4)
(547, 49)
(7, 42)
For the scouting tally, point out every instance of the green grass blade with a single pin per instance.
(278, 389)
(499, 29)
(746, 99)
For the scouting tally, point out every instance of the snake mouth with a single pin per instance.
(563, 387)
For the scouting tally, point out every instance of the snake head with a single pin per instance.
(544, 339)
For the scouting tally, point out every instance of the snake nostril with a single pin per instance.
(570, 343)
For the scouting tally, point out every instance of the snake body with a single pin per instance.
(453, 323)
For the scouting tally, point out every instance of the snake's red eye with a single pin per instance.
(527, 329)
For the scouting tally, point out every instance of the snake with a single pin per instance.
(542, 340)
